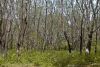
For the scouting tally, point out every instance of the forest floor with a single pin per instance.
(32, 65)
(50, 58)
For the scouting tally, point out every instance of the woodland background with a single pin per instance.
(50, 33)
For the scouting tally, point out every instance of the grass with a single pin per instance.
(50, 58)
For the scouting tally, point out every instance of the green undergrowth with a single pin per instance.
(50, 58)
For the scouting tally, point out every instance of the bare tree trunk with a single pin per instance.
(69, 46)
(45, 30)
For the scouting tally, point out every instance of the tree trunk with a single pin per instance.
(69, 46)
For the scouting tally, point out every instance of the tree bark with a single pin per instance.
(69, 46)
